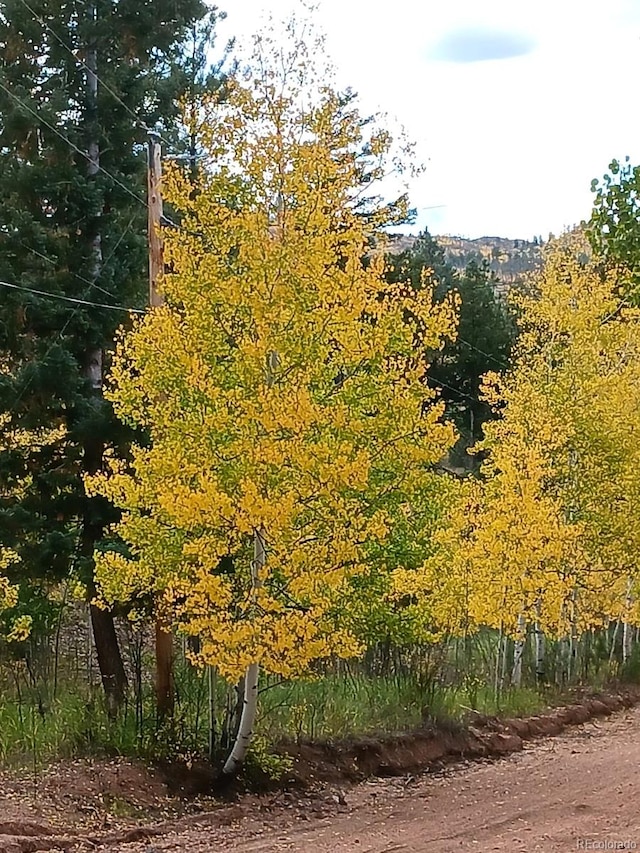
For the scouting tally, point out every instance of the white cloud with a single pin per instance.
(511, 145)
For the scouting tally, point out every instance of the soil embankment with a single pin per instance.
(567, 777)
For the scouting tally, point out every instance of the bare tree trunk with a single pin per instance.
(114, 679)
(497, 679)
(164, 673)
(112, 672)
(627, 641)
(627, 628)
(110, 664)
(540, 655)
(614, 640)
(562, 662)
(573, 638)
(213, 726)
(540, 649)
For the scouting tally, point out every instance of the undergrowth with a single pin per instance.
(75, 724)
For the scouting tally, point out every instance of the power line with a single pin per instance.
(170, 223)
(91, 284)
(69, 50)
(104, 85)
(69, 319)
(115, 249)
(49, 260)
(485, 354)
(71, 144)
(82, 278)
(460, 394)
(72, 299)
(451, 388)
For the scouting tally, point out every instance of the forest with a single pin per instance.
(305, 485)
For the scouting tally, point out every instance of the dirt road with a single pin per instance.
(571, 792)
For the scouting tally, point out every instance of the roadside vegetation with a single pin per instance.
(317, 489)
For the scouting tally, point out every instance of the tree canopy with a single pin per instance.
(279, 386)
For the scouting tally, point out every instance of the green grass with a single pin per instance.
(330, 707)
(514, 702)
(76, 724)
(339, 706)
(66, 727)
(346, 706)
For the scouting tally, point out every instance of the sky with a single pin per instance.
(514, 106)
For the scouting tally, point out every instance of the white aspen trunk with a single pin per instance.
(562, 665)
(540, 649)
(627, 628)
(571, 651)
(569, 645)
(500, 671)
(506, 645)
(518, 652)
(614, 638)
(497, 684)
(247, 721)
(250, 701)
(573, 638)
(540, 654)
(562, 652)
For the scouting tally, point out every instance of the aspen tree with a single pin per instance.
(280, 386)
(550, 532)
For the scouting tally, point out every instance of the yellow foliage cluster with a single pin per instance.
(551, 531)
(281, 386)
(18, 628)
(282, 389)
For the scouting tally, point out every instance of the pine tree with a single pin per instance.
(485, 331)
(79, 84)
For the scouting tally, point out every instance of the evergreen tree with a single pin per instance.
(79, 85)
(485, 331)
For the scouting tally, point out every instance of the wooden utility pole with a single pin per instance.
(156, 261)
(164, 637)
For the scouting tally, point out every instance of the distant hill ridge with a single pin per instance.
(509, 259)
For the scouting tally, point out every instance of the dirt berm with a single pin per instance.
(87, 804)
(355, 759)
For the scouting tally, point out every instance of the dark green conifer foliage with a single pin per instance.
(70, 233)
(485, 331)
